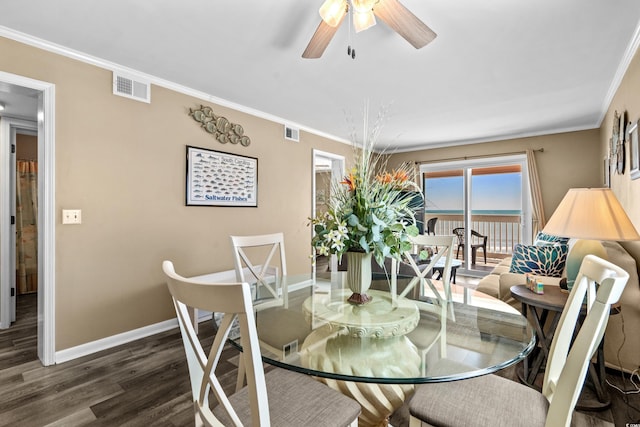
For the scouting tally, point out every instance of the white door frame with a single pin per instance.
(46, 215)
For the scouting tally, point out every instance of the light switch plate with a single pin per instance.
(71, 216)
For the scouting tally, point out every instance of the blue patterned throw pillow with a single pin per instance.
(539, 260)
(543, 239)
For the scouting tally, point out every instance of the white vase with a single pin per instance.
(359, 276)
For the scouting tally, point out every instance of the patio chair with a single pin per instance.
(431, 226)
(497, 401)
(280, 397)
(478, 241)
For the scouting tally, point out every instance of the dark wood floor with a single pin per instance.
(143, 383)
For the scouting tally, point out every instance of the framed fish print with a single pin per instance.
(215, 178)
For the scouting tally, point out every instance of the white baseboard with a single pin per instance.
(119, 339)
(114, 340)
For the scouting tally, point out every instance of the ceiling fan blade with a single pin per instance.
(320, 40)
(403, 22)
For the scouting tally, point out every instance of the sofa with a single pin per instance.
(622, 341)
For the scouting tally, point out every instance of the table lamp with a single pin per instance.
(590, 215)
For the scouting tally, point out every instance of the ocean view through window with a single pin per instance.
(495, 200)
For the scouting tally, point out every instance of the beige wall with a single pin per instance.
(123, 163)
(626, 189)
(569, 160)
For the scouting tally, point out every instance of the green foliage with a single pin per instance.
(368, 212)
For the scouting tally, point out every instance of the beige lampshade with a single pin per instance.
(591, 214)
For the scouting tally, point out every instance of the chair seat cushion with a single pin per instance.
(296, 400)
(489, 400)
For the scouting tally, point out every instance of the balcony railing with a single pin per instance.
(502, 231)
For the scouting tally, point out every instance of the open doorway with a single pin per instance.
(24, 201)
(328, 168)
(28, 115)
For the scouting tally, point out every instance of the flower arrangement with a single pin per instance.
(369, 211)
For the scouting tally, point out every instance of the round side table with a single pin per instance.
(551, 303)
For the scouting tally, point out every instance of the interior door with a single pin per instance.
(12, 235)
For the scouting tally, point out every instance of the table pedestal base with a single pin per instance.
(329, 350)
(378, 401)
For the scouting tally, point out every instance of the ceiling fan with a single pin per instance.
(364, 12)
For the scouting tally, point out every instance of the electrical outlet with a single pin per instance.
(71, 216)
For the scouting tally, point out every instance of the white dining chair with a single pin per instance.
(280, 397)
(496, 401)
(441, 294)
(260, 260)
(443, 257)
(265, 274)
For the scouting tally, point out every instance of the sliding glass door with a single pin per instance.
(486, 201)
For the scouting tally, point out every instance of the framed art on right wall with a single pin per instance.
(634, 152)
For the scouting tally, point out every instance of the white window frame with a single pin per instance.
(483, 162)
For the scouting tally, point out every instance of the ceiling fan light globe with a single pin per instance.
(332, 11)
(363, 20)
(363, 5)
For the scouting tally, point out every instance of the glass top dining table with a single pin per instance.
(312, 329)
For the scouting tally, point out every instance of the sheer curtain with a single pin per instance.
(537, 214)
(26, 227)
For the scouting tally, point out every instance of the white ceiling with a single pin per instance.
(498, 68)
(19, 102)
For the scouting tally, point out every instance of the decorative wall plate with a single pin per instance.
(221, 128)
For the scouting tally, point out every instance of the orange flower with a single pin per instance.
(397, 176)
(385, 178)
(350, 181)
(400, 175)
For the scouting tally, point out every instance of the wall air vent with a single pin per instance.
(131, 87)
(291, 133)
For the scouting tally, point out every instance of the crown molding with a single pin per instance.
(108, 65)
(522, 135)
(630, 52)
